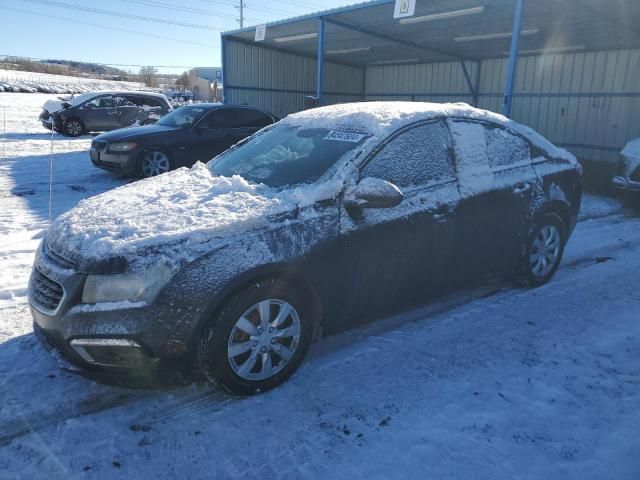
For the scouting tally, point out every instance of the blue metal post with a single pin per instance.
(224, 68)
(320, 66)
(513, 59)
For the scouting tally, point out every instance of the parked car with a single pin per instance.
(330, 217)
(186, 135)
(627, 177)
(103, 111)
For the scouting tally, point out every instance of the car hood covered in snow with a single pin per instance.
(173, 218)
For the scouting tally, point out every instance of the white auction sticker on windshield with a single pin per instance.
(344, 136)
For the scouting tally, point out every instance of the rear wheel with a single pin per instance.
(258, 339)
(544, 250)
(153, 162)
(73, 127)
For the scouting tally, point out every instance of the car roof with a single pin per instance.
(381, 119)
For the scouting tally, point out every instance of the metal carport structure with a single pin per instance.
(568, 68)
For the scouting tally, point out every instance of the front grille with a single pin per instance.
(98, 145)
(58, 258)
(44, 292)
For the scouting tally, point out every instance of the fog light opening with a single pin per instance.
(111, 352)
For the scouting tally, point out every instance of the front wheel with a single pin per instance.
(258, 339)
(544, 250)
(73, 127)
(153, 162)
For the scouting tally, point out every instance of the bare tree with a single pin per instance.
(148, 76)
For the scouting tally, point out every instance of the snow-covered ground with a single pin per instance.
(31, 82)
(493, 383)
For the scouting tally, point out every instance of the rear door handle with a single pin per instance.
(441, 212)
(522, 187)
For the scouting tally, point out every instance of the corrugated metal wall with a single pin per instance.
(588, 102)
(278, 81)
(436, 82)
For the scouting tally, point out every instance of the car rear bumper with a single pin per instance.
(122, 163)
(624, 183)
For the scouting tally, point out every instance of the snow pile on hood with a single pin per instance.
(187, 207)
(52, 106)
(383, 118)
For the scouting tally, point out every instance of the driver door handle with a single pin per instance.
(441, 212)
(522, 187)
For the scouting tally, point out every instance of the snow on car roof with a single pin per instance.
(381, 119)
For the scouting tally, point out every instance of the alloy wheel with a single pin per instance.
(264, 340)
(545, 251)
(155, 163)
(74, 128)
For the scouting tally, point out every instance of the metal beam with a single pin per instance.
(320, 61)
(223, 42)
(468, 78)
(513, 59)
(390, 38)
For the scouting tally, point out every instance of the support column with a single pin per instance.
(320, 63)
(513, 59)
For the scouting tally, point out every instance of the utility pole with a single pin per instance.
(240, 7)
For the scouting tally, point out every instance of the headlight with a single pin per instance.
(122, 147)
(132, 287)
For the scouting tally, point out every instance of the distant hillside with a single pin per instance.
(66, 67)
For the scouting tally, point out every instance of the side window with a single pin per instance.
(419, 156)
(123, 101)
(505, 148)
(150, 102)
(249, 118)
(99, 102)
(215, 119)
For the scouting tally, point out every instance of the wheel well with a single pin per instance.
(562, 211)
(295, 279)
(75, 118)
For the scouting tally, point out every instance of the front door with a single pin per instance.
(99, 114)
(396, 257)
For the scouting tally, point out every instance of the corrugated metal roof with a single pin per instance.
(367, 34)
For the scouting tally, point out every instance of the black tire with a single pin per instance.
(526, 271)
(213, 345)
(73, 127)
(145, 171)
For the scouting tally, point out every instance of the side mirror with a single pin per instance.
(373, 193)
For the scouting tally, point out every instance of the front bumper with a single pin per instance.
(624, 183)
(121, 163)
(136, 340)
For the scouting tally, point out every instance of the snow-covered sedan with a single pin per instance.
(328, 218)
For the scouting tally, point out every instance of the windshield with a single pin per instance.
(287, 155)
(185, 116)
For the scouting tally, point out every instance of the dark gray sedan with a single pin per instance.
(103, 111)
(186, 135)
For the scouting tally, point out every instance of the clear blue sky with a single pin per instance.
(37, 34)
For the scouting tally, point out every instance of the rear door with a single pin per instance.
(224, 127)
(393, 257)
(99, 114)
(127, 108)
(497, 186)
